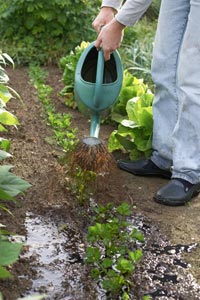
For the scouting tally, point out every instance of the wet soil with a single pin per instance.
(49, 206)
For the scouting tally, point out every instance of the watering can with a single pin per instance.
(97, 84)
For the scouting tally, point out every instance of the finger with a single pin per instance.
(106, 54)
(95, 25)
(98, 44)
(100, 27)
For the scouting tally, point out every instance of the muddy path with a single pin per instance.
(51, 253)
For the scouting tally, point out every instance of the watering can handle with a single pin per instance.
(99, 79)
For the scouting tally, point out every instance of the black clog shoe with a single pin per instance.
(177, 193)
(144, 167)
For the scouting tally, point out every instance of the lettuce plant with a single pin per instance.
(133, 113)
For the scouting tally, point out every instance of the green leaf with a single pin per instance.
(3, 207)
(93, 254)
(8, 58)
(5, 144)
(5, 95)
(2, 128)
(3, 77)
(4, 154)
(125, 266)
(136, 255)
(136, 234)
(127, 131)
(5, 196)
(10, 183)
(125, 296)
(9, 252)
(145, 119)
(95, 273)
(130, 108)
(4, 273)
(146, 297)
(107, 263)
(142, 143)
(126, 143)
(14, 93)
(1, 296)
(7, 118)
(124, 209)
(129, 124)
(113, 281)
(113, 143)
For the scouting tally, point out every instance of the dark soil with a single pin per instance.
(36, 161)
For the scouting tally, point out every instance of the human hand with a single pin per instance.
(110, 38)
(105, 15)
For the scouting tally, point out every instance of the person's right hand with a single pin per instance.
(105, 15)
(110, 38)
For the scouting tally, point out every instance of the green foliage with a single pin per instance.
(43, 30)
(131, 87)
(133, 113)
(82, 184)
(146, 297)
(64, 135)
(153, 11)
(68, 65)
(112, 250)
(139, 58)
(136, 49)
(9, 253)
(10, 184)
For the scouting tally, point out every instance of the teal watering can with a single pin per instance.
(97, 84)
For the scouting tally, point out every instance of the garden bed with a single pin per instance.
(49, 202)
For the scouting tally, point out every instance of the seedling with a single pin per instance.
(113, 252)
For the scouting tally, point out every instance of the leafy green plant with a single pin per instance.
(64, 135)
(10, 184)
(153, 11)
(42, 30)
(139, 58)
(68, 65)
(133, 113)
(82, 184)
(112, 250)
(9, 253)
(136, 49)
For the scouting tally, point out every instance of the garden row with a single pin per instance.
(31, 31)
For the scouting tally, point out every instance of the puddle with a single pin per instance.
(55, 249)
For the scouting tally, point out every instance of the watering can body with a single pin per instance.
(97, 82)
